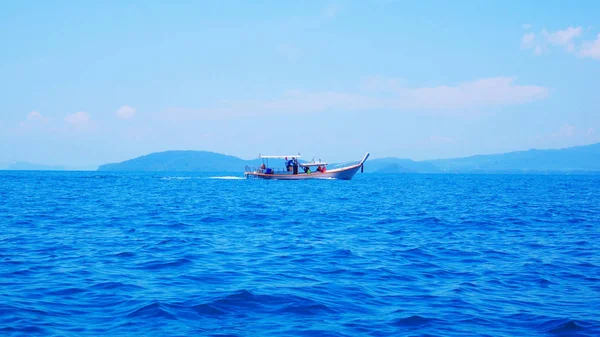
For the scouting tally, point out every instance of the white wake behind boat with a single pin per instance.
(295, 170)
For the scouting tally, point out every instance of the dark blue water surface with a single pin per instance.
(156, 254)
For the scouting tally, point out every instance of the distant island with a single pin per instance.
(24, 166)
(578, 159)
(182, 161)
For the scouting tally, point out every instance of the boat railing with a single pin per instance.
(267, 170)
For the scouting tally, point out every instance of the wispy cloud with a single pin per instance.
(125, 112)
(567, 134)
(80, 120)
(474, 94)
(566, 39)
(35, 116)
(528, 41)
(591, 131)
(540, 43)
(382, 94)
(591, 49)
(527, 26)
(567, 130)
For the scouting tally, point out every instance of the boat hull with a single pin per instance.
(345, 173)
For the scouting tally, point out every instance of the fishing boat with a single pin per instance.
(294, 169)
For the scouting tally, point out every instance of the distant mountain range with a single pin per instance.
(186, 161)
(23, 166)
(579, 159)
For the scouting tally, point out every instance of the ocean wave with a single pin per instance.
(382, 255)
(176, 178)
(160, 264)
(414, 321)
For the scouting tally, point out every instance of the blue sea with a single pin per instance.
(178, 254)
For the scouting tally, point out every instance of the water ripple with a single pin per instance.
(88, 254)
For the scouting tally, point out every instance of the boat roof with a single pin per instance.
(312, 164)
(279, 157)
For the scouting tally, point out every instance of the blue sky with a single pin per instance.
(89, 82)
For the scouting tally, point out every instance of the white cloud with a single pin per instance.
(34, 120)
(527, 41)
(474, 94)
(591, 49)
(79, 119)
(535, 42)
(126, 112)
(527, 25)
(570, 131)
(564, 37)
(532, 41)
(35, 116)
(382, 93)
(479, 93)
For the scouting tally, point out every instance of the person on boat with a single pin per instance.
(263, 167)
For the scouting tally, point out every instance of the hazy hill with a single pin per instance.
(188, 161)
(397, 165)
(571, 160)
(24, 166)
